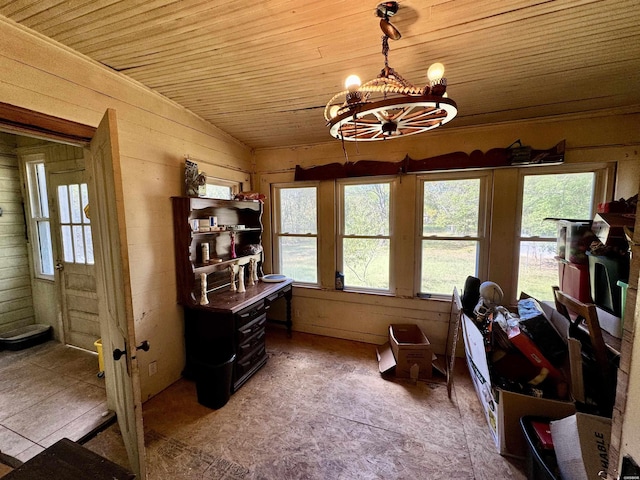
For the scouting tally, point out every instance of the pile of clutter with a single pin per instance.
(524, 351)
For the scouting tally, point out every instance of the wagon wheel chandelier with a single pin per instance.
(389, 106)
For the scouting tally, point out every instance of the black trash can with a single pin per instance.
(213, 382)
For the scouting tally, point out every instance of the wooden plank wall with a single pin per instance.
(155, 134)
(16, 305)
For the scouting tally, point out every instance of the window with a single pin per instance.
(559, 195)
(365, 234)
(296, 232)
(41, 226)
(75, 228)
(451, 232)
(223, 189)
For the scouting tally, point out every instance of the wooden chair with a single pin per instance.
(566, 305)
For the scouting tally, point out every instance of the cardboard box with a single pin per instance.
(411, 350)
(609, 227)
(408, 353)
(503, 408)
(581, 443)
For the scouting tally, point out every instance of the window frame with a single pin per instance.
(221, 182)
(339, 230)
(604, 178)
(35, 216)
(276, 234)
(484, 218)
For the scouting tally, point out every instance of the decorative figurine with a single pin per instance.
(203, 289)
(255, 271)
(241, 288)
(195, 181)
(232, 278)
(233, 244)
(252, 271)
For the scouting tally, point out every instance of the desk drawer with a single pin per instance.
(250, 344)
(250, 329)
(247, 315)
(254, 358)
(275, 296)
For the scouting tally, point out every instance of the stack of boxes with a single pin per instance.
(595, 274)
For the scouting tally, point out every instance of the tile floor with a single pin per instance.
(48, 392)
(319, 409)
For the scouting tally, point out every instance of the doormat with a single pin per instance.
(171, 458)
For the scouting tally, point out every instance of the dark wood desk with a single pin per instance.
(234, 324)
(67, 460)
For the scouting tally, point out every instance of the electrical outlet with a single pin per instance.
(153, 368)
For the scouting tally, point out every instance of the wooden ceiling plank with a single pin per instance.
(22, 10)
(224, 31)
(50, 23)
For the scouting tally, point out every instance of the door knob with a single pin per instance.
(59, 266)
(144, 346)
(117, 353)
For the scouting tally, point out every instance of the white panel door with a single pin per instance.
(114, 288)
(75, 264)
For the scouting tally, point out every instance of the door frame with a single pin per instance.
(25, 122)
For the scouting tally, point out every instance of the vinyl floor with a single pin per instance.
(319, 409)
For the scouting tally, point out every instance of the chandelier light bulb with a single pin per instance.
(435, 72)
(352, 83)
(333, 111)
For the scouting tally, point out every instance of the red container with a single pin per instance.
(574, 280)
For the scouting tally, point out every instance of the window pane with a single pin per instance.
(451, 208)
(67, 243)
(89, 245)
(42, 190)
(298, 258)
(447, 264)
(218, 191)
(366, 209)
(568, 195)
(44, 243)
(76, 209)
(84, 194)
(538, 270)
(63, 204)
(78, 244)
(366, 262)
(298, 210)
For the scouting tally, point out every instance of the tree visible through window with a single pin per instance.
(568, 195)
(297, 233)
(366, 235)
(450, 236)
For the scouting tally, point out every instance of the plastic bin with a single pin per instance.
(541, 464)
(623, 299)
(213, 382)
(98, 345)
(573, 240)
(604, 275)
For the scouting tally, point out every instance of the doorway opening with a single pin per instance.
(51, 390)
